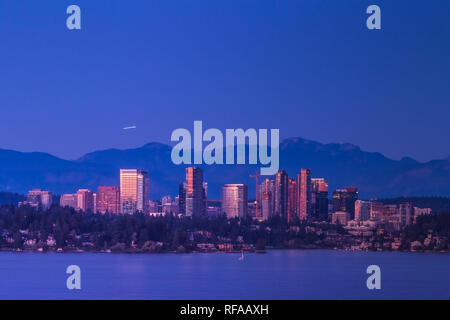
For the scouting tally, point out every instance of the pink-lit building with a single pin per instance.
(69, 200)
(292, 200)
(85, 200)
(108, 200)
(304, 193)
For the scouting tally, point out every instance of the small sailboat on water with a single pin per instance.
(242, 256)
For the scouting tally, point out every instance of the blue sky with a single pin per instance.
(308, 67)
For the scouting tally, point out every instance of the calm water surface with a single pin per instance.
(279, 274)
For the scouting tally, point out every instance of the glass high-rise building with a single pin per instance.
(38, 197)
(304, 193)
(182, 198)
(85, 200)
(319, 198)
(266, 197)
(266, 205)
(108, 200)
(344, 200)
(405, 210)
(281, 194)
(69, 200)
(134, 190)
(292, 200)
(235, 200)
(195, 200)
(362, 210)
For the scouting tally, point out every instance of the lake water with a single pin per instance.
(279, 274)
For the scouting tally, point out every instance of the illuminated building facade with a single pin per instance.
(235, 200)
(134, 190)
(108, 200)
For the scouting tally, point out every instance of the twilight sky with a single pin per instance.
(308, 67)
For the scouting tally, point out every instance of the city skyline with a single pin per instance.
(291, 200)
(355, 166)
(213, 154)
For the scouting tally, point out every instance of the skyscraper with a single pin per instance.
(46, 199)
(266, 205)
(344, 200)
(235, 200)
(281, 194)
(405, 210)
(268, 185)
(376, 210)
(33, 198)
(134, 190)
(304, 193)
(362, 210)
(319, 198)
(108, 200)
(38, 197)
(68, 200)
(292, 200)
(266, 196)
(182, 198)
(195, 192)
(85, 200)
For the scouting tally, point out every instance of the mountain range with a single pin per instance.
(341, 164)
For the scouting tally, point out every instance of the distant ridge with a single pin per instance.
(342, 164)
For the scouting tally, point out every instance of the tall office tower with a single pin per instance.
(85, 200)
(205, 187)
(304, 194)
(319, 198)
(195, 192)
(182, 198)
(319, 185)
(344, 200)
(235, 200)
(390, 213)
(376, 210)
(281, 194)
(405, 211)
(108, 200)
(292, 200)
(268, 186)
(33, 197)
(266, 205)
(69, 200)
(362, 210)
(46, 200)
(38, 197)
(205, 196)
(134, 190)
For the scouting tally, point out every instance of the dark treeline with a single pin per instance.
(436, 224)
(68, 226)
(25, 227)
